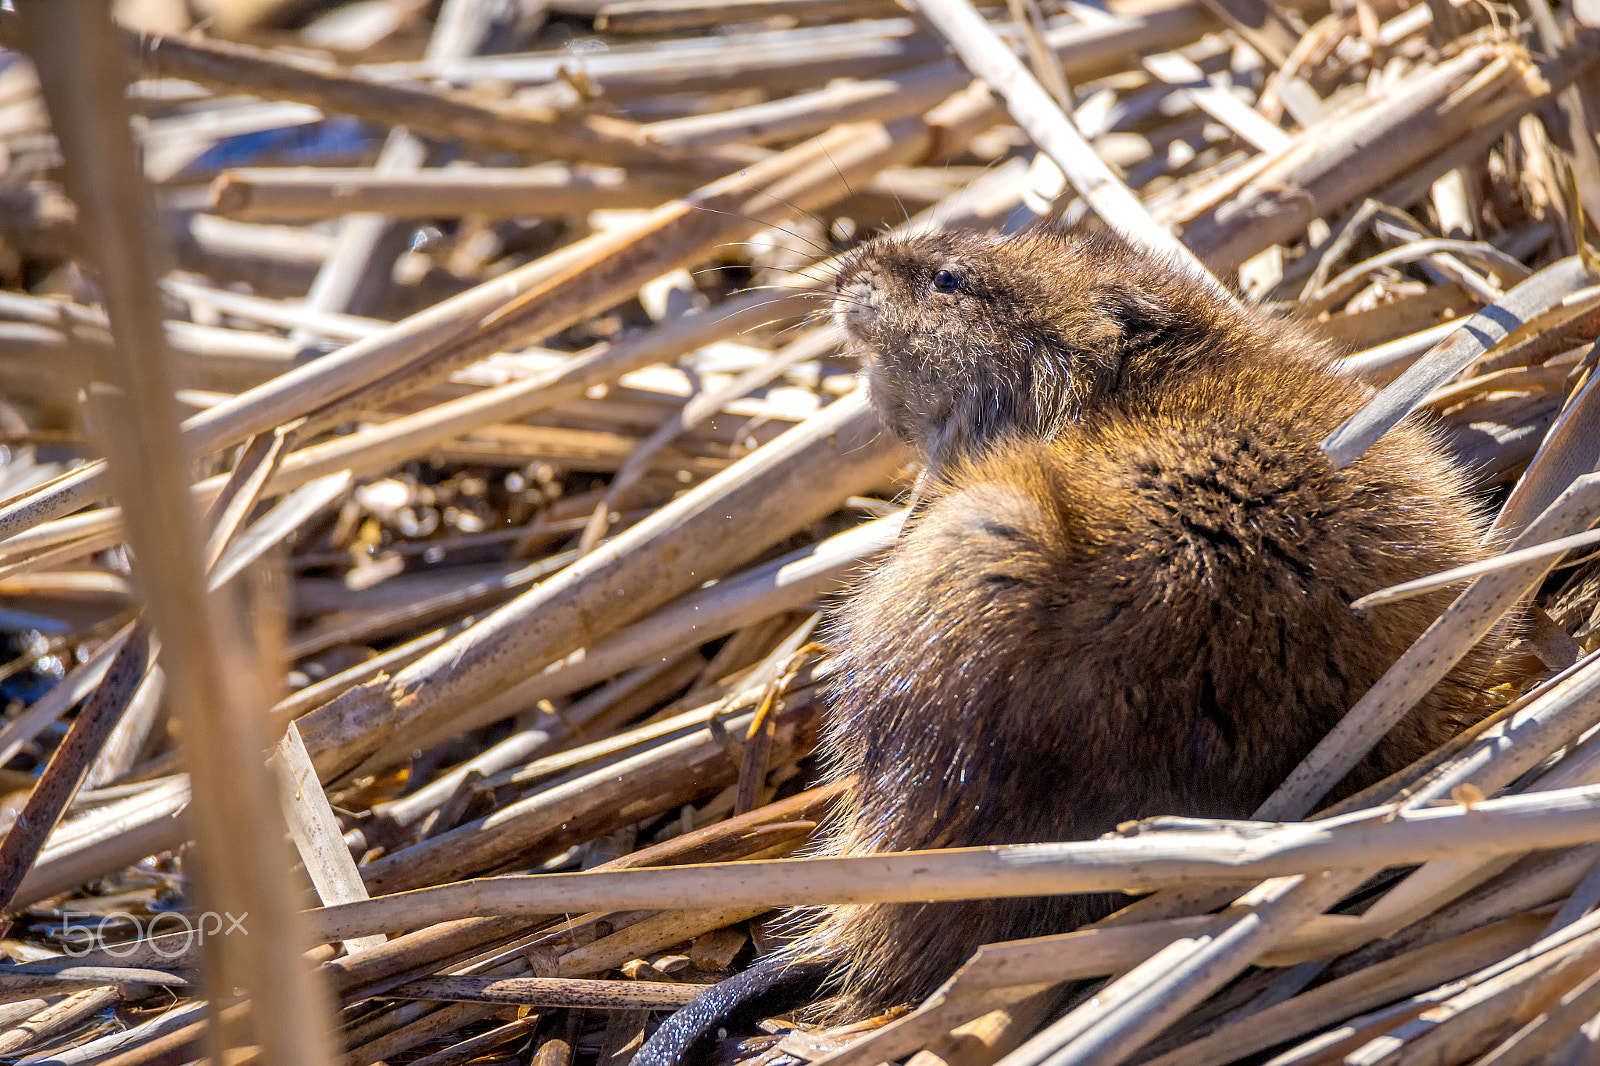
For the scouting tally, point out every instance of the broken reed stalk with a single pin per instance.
(1479, 334)
(1455, 575)
(374, 448)
(664, 16)
(569, 992)
(544, 296)
(791, 482)
(445, 114)
(155, 826)
(1083, 50)
(307, 195)
(361, 257)
(1192, 956)
(653, 781)
(316, 833)
(72, 759)
(778, 827)
(1145, 862)
(1331, 165)
(975, 42)
(733, 602)
(1375, 986)
(241, 865)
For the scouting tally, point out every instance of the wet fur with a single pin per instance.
(1126, 589)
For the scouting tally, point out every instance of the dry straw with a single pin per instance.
(500, 433)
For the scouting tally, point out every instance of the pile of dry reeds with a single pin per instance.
(495, 608)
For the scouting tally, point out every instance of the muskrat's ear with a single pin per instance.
(1138, 312)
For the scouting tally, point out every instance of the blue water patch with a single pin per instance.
(336, 137)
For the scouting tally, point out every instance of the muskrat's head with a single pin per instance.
(968, 337)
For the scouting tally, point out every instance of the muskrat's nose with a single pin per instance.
(851, 267)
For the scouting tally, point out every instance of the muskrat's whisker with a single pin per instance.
(808, 241)
(842, 179)
(759, 246)
(812, 215)
(795, 326)
(901, 204)
(762, 325)
(815, 278)
(806, 294)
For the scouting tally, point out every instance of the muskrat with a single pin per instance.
(1124, 591)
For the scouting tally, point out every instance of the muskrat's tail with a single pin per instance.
(768, 988)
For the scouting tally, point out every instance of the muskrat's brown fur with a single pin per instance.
(1126, 590)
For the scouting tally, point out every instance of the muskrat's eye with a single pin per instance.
(944, 281)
